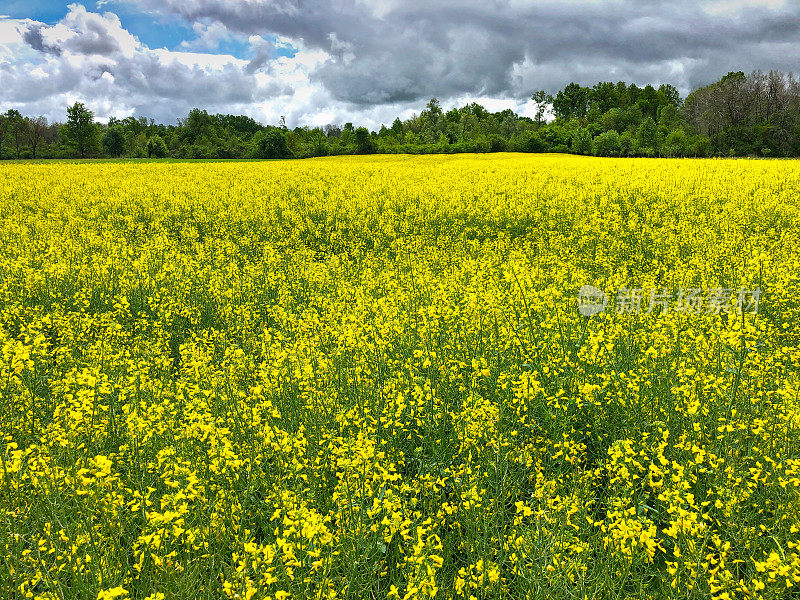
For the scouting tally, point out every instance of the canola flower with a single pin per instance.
(368, 377)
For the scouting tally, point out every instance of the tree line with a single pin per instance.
(739, 115)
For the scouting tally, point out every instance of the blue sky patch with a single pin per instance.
(154, 31)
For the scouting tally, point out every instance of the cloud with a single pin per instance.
(369, 60)
(34, 38)
(91, 57)
(263, 53)
(721, 7)
(404, 50)
(209, 36)
(82, 32)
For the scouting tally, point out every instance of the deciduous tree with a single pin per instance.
(80, 133)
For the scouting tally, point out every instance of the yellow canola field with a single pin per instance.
(368, 377)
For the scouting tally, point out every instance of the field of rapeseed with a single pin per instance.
(369, 378)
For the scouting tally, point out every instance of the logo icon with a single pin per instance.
(591, 301)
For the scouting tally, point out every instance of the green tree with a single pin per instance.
(607, 144)
(582, 141)
(542, 100)
(318, 142)
(156, 147)
(627, 144)
(133, 129)
(3, 132)
(114, 142)
(669, 118)
(572, 101)
(649, 101)
(529, 141)
(633, 93)
(80, 133)
(632, 116)
(699, 145)
(397, 129)
(433, 115)
(605, 95)
(647, 136)
(364, 143)
(671, 95)
(497, 143)
(613, 119)
(16, 123)
(37, 127)
(347, 134)
(677, 143)
(623, 100)
(411, 138)
(271, 144)
(138, 145)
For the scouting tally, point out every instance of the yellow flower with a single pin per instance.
(112, 593)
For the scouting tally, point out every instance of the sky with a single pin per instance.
(367, 61)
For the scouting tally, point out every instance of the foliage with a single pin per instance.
(156, 147)
(529, 141)
(114, 141)
(271, 143)
(80, 133)
(16, 125)
(740, 115)
(364, 143)
(747, 113)
(582, 141)
(647, 136)
(607, 144)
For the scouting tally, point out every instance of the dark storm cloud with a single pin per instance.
(371, 60)
(409, 50)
